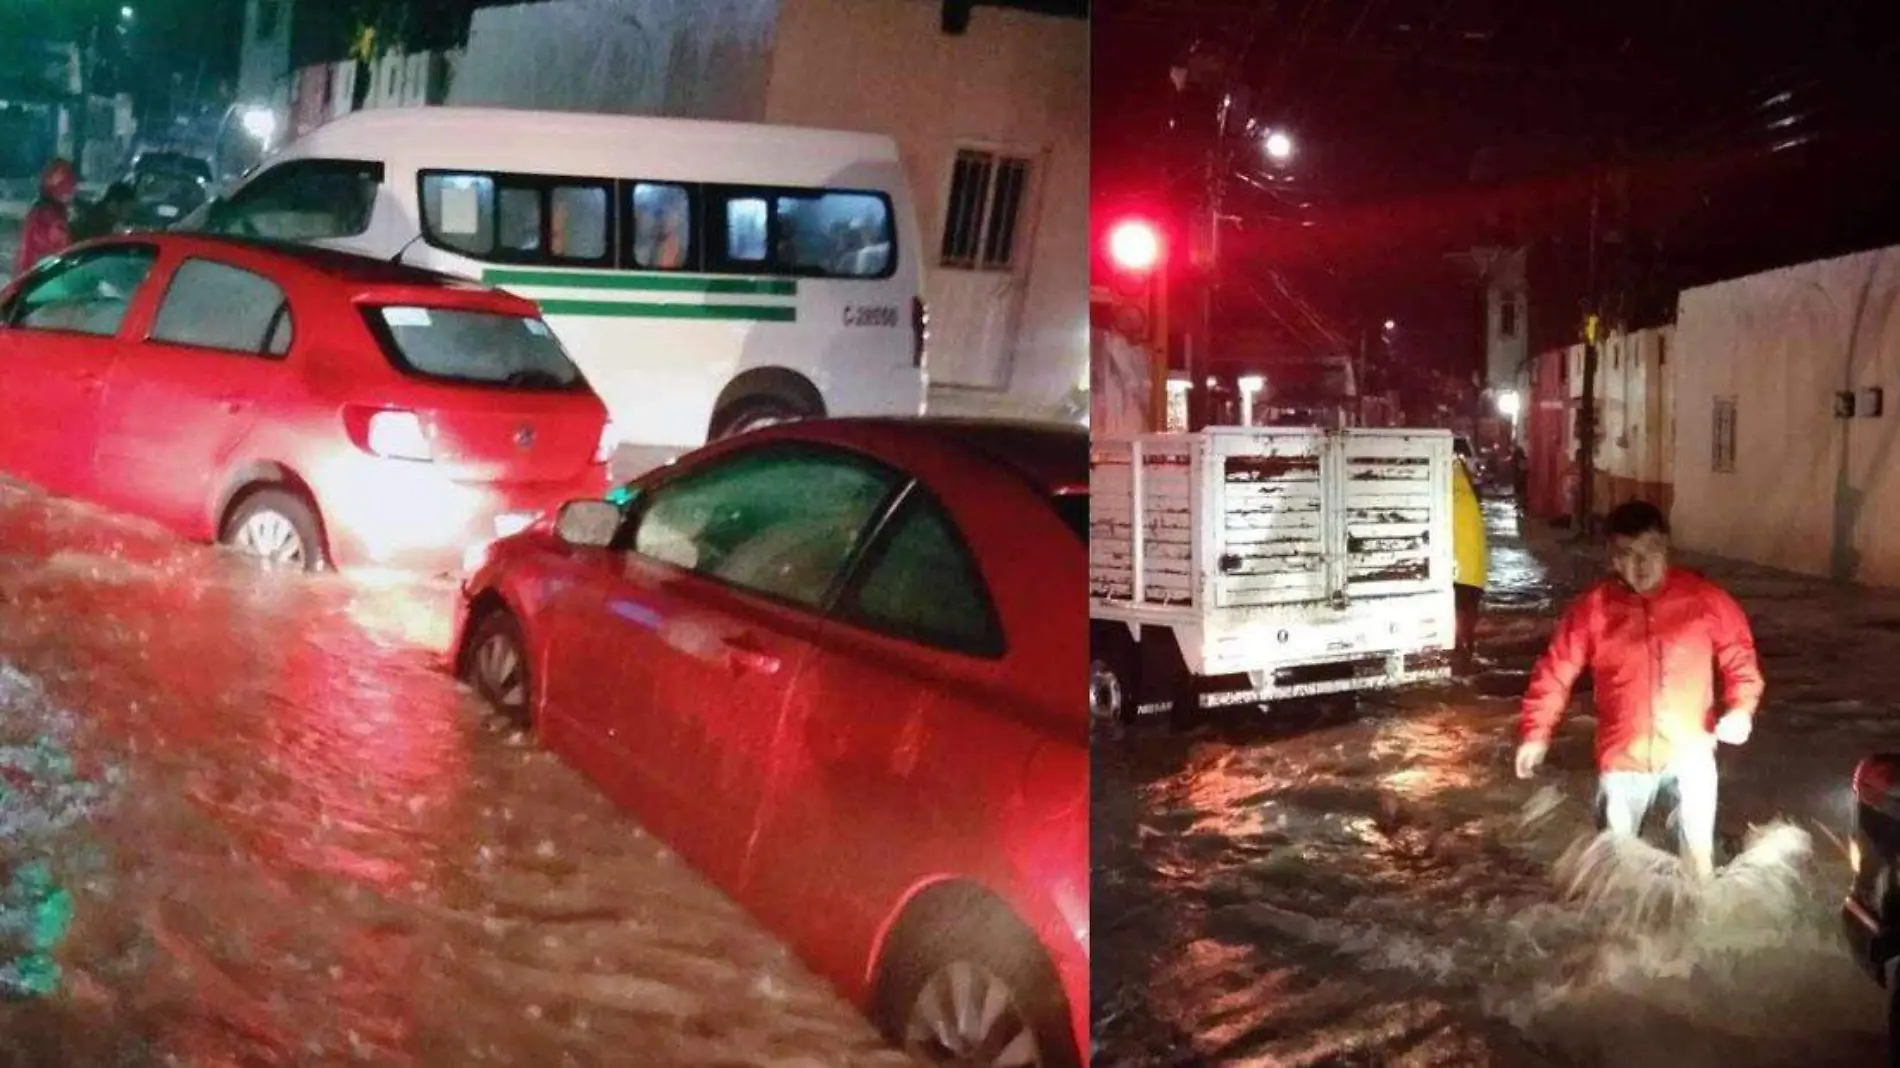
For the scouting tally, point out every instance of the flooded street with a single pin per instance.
(1367, 883)
(278, 834)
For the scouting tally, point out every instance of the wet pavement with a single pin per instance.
(285, 837)
(1366, 883)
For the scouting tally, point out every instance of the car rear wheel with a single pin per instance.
(277, 528)
(496, 666)
(971, 987)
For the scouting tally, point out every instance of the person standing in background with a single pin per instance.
(1469, 552)
(48, 227)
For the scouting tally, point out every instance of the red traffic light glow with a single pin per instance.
(1134, 246)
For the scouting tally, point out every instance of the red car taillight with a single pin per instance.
(609, 443)
(391, 433)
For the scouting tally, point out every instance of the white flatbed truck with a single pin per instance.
(1248, 564)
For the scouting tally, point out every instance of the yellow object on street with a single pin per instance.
(1467, 530)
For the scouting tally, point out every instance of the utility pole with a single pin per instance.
(1199, 352)
(1587, 413)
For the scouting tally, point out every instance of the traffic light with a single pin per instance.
(1137, 298)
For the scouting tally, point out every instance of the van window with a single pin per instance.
(458, 212)
(476, 348)
(518, 218)
(811, 233)
(745, 229)
(302, 200)
(579, 221)
(215, 306)
(662, 226)
(838, 235)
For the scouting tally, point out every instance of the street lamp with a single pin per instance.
(1509, 404)
(1250, 387)
(1278, 145)
(260, 123)
(126, 14)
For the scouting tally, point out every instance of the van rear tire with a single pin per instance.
(755, 413)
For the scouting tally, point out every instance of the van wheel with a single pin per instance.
(278, 529)
(754, 413)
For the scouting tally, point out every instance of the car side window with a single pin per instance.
(781, 522)
(920, 583)
(85, 293)
(213, 305)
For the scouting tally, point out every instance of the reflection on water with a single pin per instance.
(317, 849)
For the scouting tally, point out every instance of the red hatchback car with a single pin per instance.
(838, 665)
(305, 406)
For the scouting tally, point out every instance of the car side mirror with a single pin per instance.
(588, 524)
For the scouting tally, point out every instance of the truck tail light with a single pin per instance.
(390, 433)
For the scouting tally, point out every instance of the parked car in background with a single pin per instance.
(1871, 913)
(835, 664)
(307, 407)
(167, 186)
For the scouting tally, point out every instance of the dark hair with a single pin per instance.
(1633, 519)
(1460, 447)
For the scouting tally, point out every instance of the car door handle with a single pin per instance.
(233, 405)
(746, 657)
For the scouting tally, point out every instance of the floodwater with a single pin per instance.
(1366, 883)
(283, 836)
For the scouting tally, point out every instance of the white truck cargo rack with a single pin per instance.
(1290, 561)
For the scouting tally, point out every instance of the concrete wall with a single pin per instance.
(1015, 81)
(1809, 492)
(264, 61)
(706, 59)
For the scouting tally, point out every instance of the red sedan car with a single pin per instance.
(305, 406)
(839, 665)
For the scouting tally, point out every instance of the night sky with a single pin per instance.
(1745, 135)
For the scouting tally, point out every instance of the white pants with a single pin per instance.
(1625, 798)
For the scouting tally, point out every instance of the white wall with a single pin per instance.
(1810, 492)
(1015, 80)
(705, 59)
(264, 62)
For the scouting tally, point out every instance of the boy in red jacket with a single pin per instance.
(1654, 637)
(48, 226)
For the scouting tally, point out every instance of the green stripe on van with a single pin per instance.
(651, 283)
(761, 313)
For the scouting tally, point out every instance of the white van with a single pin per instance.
(707, 277)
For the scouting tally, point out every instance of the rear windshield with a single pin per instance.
(476, 348)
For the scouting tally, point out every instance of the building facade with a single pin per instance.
(1787, 443)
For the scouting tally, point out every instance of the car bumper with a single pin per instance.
(1872, 948)
(409, 517)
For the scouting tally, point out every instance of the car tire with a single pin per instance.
(1112, 694)
(278, 528)
(495, 665)
(755, 413)
(956, 953)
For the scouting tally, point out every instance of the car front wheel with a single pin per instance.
(971, 987)
(496, 666)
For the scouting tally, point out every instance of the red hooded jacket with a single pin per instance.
(1654, 659)
(48, 225)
